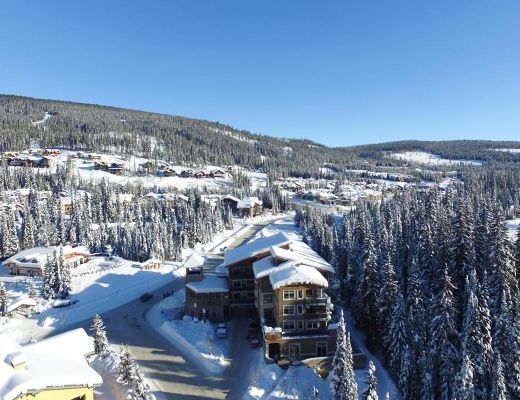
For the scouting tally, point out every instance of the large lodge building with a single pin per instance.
(285, 284)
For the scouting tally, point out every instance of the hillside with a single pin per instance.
(186, 141)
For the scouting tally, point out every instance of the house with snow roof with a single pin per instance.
(55, 368)
(249, 207)
(31, 261)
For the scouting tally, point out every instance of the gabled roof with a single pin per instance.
(301, 253)
(249, 202)
(210, 284)
(297, 275)
(53, 363)
(254, 248)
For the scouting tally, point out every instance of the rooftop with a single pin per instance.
(254, 248)
(297, 275)
(55, 362)
(210, 284)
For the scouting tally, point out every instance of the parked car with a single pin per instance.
(60, 303)
(254, 340)
(253, 327)
(223, 248)
(146, 297)
(221, 330)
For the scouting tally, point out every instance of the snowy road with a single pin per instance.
(169, 372)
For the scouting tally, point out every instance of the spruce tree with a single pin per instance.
(3, 300)
(126, 366)
(370, 392)
(100, 336)
(343, 384)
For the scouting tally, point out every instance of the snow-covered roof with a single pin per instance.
(19, 302)
(55, 362)
(297, 275)
(151, 261)
(301, 253)
(210, 284)
(194, 261)
(249, 202)
(36, 257)
(229, 197)
(254, 248)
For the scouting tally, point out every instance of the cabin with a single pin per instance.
(217, 173)
(31, 261)
(231, 202)
(249, 207)
(54, 368)
(151, 264)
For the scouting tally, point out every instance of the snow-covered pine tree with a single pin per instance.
(498, 385)
(342, 383)
(126, 366)
(28, 229)
(3, 299)
(444, 337)
(31, 290)
(140, 389)
(464, 389)
(65, 279)
(100, 336)
(370, 392)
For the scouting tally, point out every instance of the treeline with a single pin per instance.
(432, 279)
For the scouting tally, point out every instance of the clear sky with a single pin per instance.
(338, 72)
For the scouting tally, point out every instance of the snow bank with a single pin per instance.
(196, 340)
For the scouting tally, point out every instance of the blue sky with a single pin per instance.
(337, 72)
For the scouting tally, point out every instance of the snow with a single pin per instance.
(508, 150)
(297, 275)
(512, 227)
(210, 284)
(299, 251)
(194, 261)
(422, 157)
(253, 248)
(55, 362)
(195, 339)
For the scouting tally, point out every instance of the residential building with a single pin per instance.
(52, 369)
(207, 296)
(249, 207)
(151, 264)
(31, 261)
(239, 262)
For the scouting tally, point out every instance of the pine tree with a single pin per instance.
(31, 290)
(498, 385)
(3, 300)
(464, 389)
(343, 384)
(126, 367)
(140, 390)
(370, 392)
(100, 336)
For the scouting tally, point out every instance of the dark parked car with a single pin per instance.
(253, 327)
(146, 297)
(254, 340)
(221, 330)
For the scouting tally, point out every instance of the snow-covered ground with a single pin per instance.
(196, 339)
(422, 157)
(517, 151)
(512, 227)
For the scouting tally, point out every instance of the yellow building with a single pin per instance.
(52, 369)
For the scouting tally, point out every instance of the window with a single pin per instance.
(300, 325)
(288, 294)
(288, 325)
(321, 349)
(300, 294)
(268, 298)
(312, 325)
(299, 309)
(288, 310)
(308, 293)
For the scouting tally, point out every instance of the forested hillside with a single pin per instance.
(186, 141)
